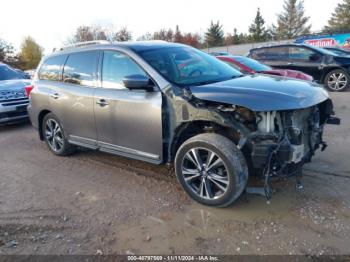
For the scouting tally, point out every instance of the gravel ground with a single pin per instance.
(94, 203)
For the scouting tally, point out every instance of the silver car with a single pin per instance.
(13, 99)
(170, 103)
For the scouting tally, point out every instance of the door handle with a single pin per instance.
(55, 96)
(102, 102)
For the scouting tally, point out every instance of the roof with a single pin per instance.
(147, 45)
(278, 45)
(133, 45)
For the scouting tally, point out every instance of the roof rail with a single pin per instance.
(81, 44)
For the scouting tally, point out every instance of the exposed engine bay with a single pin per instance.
(282, 141)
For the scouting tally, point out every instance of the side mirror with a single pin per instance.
(138, 82)
(314, 57)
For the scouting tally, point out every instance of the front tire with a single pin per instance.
(54, 136)
(211, 169)
(337, 80)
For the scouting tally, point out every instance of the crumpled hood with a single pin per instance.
(15, 84)
(263, 93)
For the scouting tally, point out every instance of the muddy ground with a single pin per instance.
(94, 203)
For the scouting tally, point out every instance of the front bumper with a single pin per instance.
(284, 153)
(13, 113)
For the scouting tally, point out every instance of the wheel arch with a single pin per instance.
(232, 160)
(41, 116)
(326, 71)
(190, 129)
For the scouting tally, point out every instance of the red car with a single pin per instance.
(250, 66)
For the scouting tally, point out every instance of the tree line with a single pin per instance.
(291, 23)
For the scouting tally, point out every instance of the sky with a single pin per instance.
(50, 23)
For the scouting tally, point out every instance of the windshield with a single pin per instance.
(339, 51)
(186, 66)
(251, 63)
(7, 73)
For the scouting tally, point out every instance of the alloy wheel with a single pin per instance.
(54, 135)
(205, 173)
(337, 81)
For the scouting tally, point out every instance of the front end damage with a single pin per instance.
(275, 143)
(277, 123)
(283, 141)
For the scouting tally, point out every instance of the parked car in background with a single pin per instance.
(22, 73)
(13, 99)
(169, 103)
(30, 73)
(250, 66)
(325, 66)
(339, 50)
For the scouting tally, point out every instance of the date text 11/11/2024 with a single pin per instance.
(173, 258)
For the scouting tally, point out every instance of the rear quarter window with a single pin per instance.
(52, 68)
(271, 53)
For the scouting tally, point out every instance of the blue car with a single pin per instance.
(13, 99)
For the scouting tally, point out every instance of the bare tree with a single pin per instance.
(145, 37)
(178, 37)
(6, 50)
(164, 34)
(88, 33)
(122, 35)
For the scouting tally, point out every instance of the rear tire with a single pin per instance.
(337, 80)
(54, 136)
(211, 169)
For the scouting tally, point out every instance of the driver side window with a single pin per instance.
(115, 67)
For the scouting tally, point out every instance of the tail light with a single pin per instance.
(28, 89)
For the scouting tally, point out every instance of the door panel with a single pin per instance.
(128, 122)
(76, 106)
(131, 120)
(74, 98)
(299, 58)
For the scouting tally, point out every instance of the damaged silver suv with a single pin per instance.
(170, 103)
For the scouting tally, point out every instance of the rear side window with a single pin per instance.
(271, 53)
(299, 53)
(52, 68)
(115, 67)
(80, 68)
